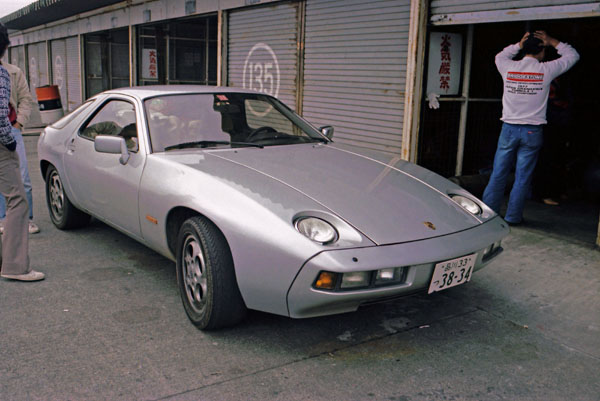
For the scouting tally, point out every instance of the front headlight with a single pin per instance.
(317, 230)
(467, 204)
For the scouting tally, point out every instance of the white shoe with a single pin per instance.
(31, 276)
(33, 228)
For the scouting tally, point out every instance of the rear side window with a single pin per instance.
(69, 117)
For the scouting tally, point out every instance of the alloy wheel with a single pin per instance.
(57, 196)
(194, 273)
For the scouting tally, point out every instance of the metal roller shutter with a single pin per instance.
(479, 11)
(262, 50)
(38, 64)
(355, 69)
(17, 57)
(37, 57)
(59, 69)
(73, 73)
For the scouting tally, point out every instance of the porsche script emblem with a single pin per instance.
(429, 224)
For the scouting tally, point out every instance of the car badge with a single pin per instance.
(429, 224)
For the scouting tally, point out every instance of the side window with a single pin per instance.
(69, 117)
(117, 117)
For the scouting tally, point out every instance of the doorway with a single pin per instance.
(577, 161)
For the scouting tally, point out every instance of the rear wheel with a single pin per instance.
(62, 212)
(206, 276)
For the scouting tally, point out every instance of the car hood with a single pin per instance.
(385, 202)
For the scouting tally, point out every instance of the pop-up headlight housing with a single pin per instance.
(317, 229)
(467, 204)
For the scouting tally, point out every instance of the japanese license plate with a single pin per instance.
(452, 272)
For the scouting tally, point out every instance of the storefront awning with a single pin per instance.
(44, 11)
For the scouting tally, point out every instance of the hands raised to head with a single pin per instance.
(546, 39)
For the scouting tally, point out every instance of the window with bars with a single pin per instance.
(178, 52)
(106, 60)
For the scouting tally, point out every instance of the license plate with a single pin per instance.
(451, 273)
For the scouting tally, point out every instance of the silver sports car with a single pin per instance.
(259, 209)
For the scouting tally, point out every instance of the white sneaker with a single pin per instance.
(31, 276)
(33, 228)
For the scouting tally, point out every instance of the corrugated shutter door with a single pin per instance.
(43, 63)
(263, 51)
(17, 57)
(355, 70)
(462, 6)
(73, 73)
(59, 69)
(37, 56)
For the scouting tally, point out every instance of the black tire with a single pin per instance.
(206, 276)
(62, 212)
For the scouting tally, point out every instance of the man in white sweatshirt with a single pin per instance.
(524, 102)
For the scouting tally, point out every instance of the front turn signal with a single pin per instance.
(326, 281)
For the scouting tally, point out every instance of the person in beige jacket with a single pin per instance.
(22, 103)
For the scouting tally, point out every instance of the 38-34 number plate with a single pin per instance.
(452, 272)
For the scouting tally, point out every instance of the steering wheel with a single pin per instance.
(259, 130)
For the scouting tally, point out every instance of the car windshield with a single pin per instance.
(224, 119)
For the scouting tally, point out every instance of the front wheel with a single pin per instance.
(206, 277)
(62, 212)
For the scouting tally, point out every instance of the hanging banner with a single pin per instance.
(445, 57)
(149, 64)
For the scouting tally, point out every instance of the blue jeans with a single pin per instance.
(518, 144)
(24, 175)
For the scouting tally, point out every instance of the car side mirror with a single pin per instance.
(327, 130)
(112, 144)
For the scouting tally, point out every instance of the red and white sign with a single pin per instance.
(149, 64)
(445, 57)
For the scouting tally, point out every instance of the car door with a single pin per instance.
(100, 183)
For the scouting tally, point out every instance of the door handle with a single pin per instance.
(71, 146)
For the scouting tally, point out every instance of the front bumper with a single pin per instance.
(419, 257)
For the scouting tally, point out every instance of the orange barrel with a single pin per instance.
(49, 102)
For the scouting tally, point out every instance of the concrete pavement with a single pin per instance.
(107, 323)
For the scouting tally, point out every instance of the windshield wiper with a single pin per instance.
(206, 144)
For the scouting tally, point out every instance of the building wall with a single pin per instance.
(340, 63)
(45, 39)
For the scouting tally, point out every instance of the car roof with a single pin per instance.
(144, 92)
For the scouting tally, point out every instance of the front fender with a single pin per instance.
(256, 220)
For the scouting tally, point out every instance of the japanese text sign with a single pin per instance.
(149, 64)
(445, 56)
